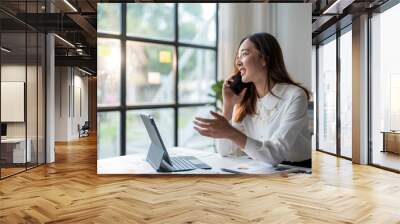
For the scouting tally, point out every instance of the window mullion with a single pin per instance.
(123, 81)
(176, 109)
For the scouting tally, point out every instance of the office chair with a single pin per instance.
(84, 130)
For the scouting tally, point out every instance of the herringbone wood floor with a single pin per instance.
(70, 191)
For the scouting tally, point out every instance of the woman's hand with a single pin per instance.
(219, 128)
(215, 128)
(230, 98)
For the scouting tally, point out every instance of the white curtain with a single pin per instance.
(289, 23)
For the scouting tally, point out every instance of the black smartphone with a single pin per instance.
(237, 85)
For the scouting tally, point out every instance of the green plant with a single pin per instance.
(217, 93)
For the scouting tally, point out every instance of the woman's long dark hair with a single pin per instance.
(271, 51)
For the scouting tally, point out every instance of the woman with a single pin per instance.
(267, 120)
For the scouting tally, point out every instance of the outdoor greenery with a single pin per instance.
(150, 20)
(109, 18)
(217, 93)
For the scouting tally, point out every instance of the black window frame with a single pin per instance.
(333, 37)
(123, 107)
(381, 9)
(28, 29)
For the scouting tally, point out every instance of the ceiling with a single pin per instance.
(331, 15)
(75, 21)
(76, 25)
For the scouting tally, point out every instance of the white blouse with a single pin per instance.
(278, 132)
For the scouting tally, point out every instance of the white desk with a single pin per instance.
(136, 163)
(18, 150)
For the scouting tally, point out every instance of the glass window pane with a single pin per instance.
(150, 74)
(108, 72)
(108, 134)
(109, 18)
(137, 138)
(327, 97)
(13, 72)
(197, 23)
(188, 137)
(346, 94)
(150, 20)
(196, 75)
(385, 88)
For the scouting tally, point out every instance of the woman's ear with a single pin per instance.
(264, 61)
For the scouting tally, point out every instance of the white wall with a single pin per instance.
(12, 100)
(17, 73)
(289, 23)
(81, 100)
(14, 73)
(62, 81)
(70, 84)
(33, 127)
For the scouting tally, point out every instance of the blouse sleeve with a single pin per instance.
(226, 147)
(273, 150)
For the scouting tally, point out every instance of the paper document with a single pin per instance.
(256, 167)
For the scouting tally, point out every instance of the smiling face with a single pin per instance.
(250, 63)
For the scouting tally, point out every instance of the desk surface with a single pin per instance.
(391, 132)
(136, 163)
